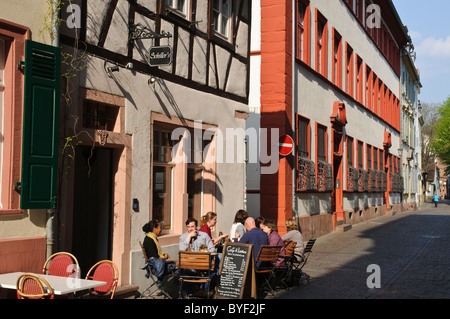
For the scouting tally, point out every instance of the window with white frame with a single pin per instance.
(2, 88)
(179, 6)
(221, 17)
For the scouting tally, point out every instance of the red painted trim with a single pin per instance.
(14, 36)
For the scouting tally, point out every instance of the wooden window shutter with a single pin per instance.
(40, 126)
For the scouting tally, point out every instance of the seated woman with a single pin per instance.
(238, 229)
(159, 261)
(209, 220)
(294, 234)
(270, 228)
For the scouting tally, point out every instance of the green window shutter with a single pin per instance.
(40, 126)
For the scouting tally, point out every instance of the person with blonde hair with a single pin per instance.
(209, 220)
(294, 234)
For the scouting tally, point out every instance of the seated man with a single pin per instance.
(192, 240)
(254, 236)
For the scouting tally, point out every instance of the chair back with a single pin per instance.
(104, 270)
(289, 247)
(195, 260)
(268, 254)
(143, 250)
(309, 245)
(32, 287)
(62, 264)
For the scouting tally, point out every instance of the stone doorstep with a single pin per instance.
(343, 228)
(126, 292)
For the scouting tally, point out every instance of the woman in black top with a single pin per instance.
(156, 258)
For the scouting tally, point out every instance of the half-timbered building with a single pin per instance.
(155, 83)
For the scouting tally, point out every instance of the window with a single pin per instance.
(380, 97)
(321, 143)
(222, 17)
(2, 88)
(337, 59)
(303, 31)
(360, 155)
(162, 177)
(375, 159)
(369, 156)
(381, 161)
(359, 80)
(369, 88)
(99, 116)
(349, 70)
(303, 137)
(349, 151)
(180, 7)
(321, 44)
(359, 10)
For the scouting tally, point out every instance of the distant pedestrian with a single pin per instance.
(435, 200)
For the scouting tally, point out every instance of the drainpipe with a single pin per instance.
(295, 213)
(51, 212)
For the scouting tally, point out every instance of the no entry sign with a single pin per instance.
(286, 145)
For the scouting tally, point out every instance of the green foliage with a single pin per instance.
(441, 139)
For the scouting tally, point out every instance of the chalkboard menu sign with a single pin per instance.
(236, 271)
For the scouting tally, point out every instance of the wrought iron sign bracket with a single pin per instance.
(138, 32)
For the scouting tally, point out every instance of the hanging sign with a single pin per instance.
(161, 55)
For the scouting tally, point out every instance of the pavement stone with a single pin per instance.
(412, 250)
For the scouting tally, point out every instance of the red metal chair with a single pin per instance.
(32, 287)
(104, 270)
(62, 264)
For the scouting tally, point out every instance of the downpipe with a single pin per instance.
(50, 224)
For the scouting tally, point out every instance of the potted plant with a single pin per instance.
(203, 247)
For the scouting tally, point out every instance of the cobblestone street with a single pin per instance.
(411, 248)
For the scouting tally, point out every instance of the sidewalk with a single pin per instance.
(412, 250)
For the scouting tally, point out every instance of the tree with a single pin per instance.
(430, 116)
(440, 143)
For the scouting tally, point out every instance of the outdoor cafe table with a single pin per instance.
(60, 285)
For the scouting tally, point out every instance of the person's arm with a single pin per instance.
(184, 243)
(210, 244)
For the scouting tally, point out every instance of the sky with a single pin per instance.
(428, 25)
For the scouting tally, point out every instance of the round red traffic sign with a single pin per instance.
(286, 145)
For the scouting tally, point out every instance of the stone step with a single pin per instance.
(343, 228)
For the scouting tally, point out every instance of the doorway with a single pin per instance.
(92, 206)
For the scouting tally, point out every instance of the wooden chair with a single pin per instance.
(104, 270)
(283, 272)
(299, 263)
(266, 259)
(62, 264)
(148, 267)
(195, 267)
(32, 287)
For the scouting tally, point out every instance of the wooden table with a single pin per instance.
(60, 285)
